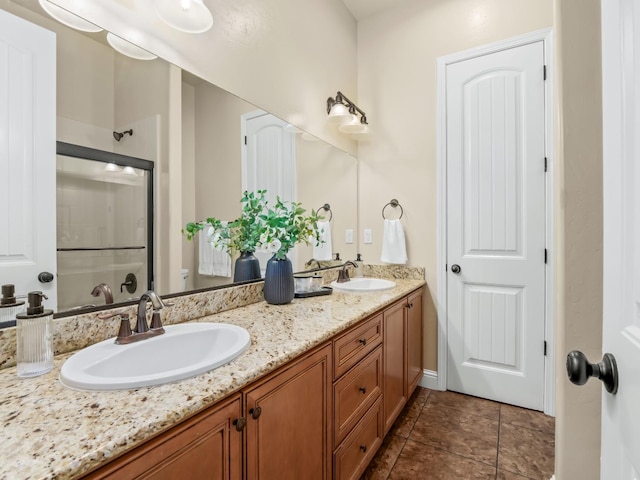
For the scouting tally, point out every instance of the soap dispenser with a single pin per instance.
(9, 306)
(34, 334)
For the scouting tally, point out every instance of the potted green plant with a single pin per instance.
(241, 236)
(281, 228)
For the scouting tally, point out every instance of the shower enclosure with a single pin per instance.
(104, 226)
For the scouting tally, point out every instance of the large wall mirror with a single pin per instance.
(198, 137)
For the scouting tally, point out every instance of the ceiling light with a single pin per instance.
(129, 49)
(67, 18)
(190, 16)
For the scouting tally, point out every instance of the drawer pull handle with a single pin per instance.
(240, 423)
(255, 412)
(363, 341)
(363, 389)
(363, 448)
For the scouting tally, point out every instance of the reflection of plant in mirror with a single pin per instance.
(241, 235)
(285, 225)
(275, 230)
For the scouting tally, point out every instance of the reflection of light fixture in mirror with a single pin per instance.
(128, 48)
(68, 18)
(345, 113)
(111, 167)
(129, 171)
(292, 129)
(190, 16)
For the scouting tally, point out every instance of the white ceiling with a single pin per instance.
(362, 9)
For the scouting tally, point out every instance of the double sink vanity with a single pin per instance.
(311, 396)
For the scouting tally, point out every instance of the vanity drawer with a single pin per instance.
(354, 454)
(355, 392)
(351, 347)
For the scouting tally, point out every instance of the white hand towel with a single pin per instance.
(394, 249)
(212, 262)
(324, 250)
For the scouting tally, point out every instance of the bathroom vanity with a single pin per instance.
(313, 397)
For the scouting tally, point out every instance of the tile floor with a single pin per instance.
(449, 436)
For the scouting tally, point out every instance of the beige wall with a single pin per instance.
(578, 232)
(285, 56)
(397, 54)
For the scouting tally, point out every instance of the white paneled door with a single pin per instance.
(27, 156)
(496, 221)
(620, 457)
(269, 163)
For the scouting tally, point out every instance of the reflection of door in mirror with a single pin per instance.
(269, 163)
(104, 229)
(27, 133)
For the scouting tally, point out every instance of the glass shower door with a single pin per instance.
(104, 233)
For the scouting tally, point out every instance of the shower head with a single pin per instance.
(118, 135)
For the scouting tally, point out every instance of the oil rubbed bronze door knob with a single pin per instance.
(255, 412)
(45, 277)
(580, 370)
(455, 268)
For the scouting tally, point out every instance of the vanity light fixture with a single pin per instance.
(344, 112)
(111, 167)
(67, 18)
(190, 16)
(129, 49)
(128, 170)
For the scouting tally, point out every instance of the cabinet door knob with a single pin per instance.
(255, 412)
(240, 423)
(363, 448)
(363, 389)
(363, 341)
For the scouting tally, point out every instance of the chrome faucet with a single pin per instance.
(343, 275)
(105, 290)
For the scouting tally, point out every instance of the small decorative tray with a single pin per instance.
(317, 293)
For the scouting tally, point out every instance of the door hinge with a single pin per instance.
(546, 164)
(545, 348)
(545, 255)
(245, 139)
(544, 72)
(446, 267)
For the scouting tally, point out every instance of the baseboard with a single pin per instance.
(429, 380)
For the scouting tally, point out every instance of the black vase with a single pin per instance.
(278, 281)
(247, 268)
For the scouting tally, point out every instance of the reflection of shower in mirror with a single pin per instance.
(118, 135)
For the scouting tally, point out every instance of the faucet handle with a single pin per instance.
(115, 313)
(125, 332)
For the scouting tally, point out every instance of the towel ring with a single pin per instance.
(327, 208)
(394, 203)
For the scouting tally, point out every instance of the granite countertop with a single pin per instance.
(50, 431)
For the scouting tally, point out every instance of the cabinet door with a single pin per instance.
(207, 446)
(414, 341)
(394, 361)
(288, 421)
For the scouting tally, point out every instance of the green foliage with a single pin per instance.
(275, 230)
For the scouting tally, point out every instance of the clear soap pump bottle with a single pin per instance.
(9, 306)
(34, 334)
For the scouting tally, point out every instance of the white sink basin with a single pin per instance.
(183, 351)
(364, 285)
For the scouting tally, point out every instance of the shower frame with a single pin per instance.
(87, 153)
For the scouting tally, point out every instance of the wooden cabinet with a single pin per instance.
(207, 446)
(394, 361)
(288, 434)
(402, 354)
(321, 416)
(414, 341)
